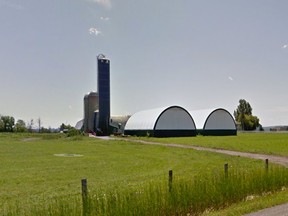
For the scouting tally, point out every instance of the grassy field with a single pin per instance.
(266, 143)
(33, 176)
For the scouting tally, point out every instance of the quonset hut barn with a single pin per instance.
(214, 122)
(173, 121)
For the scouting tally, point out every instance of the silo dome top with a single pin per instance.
(93, 93)
(101, 56)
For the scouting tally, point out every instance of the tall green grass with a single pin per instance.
(194, 196)
(204, 192)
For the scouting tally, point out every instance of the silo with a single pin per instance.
(104, 94)
(85, 123)
(90, 106)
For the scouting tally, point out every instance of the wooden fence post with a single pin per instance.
(266, 165)
(226, 170)
(84, 196)
(170, 179)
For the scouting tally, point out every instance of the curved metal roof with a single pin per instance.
(211, 119)
(168, 118)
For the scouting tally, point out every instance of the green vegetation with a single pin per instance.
(194, 196)
(124, 178)
(266, 143)
(6, 123)
(243, 115)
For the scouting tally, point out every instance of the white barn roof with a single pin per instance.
(165, 120)
(176, 121)
(213, 119)
(214, 122)
(143, 120)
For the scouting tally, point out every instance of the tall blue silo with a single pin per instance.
(104, 94)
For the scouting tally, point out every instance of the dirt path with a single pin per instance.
(280, 210)
(272, 158)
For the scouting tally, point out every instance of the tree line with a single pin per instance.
(8, 124)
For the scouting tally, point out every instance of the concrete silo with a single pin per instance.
(90, 106)
(85, 121)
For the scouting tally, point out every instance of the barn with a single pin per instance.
(173, 121)
(214, 122)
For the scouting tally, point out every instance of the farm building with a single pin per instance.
(173, 121)
(215, 122)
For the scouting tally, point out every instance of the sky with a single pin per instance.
(198, 54)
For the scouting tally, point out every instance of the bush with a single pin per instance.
(73, 132)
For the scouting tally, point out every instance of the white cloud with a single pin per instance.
(230, 78)
(12, 5)
(285, 46)
(104, 3)
(94, 31)
(105, 18)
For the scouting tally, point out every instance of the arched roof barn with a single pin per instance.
(173, 121)
(217, 122)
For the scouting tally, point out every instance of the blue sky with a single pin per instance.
(196, 54)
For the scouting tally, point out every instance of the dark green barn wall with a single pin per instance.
(217, 132)
(161, 133)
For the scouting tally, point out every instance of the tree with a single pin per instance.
(243, 115)
(243, 108)
(1, 125)
(39, 122)
(30, 125)
(7, 123)
(20, 126)
(46, 130)
(71, 131)
(64, 127)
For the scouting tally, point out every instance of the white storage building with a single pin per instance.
(173, 121)
(214, 122)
